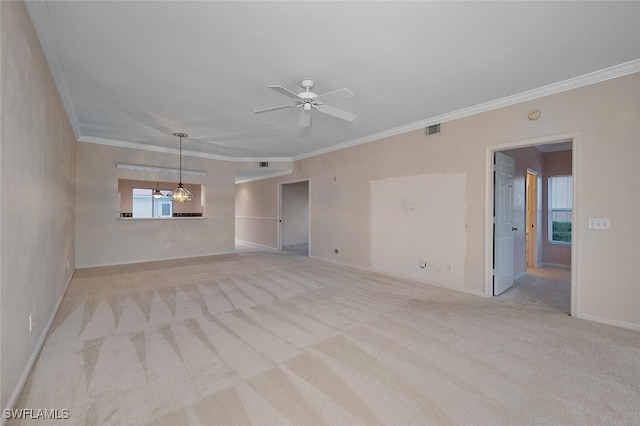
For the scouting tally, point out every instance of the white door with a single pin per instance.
(503, 223)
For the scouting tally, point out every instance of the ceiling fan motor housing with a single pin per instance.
(307, 84)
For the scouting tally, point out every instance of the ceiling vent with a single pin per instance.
(263, 164)
(432, 130)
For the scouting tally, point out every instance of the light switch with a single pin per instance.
(599, 223)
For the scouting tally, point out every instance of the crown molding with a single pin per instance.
(616, 71)
(160, 169)
(40, 13)
(176, 151)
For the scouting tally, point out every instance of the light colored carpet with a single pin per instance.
(274, 338)
(301, 249)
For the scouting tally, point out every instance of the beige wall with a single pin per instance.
(555, 164)
(104, 239)
(256, 205)
(37, 187)
(606, 116)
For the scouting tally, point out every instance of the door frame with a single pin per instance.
(279, 217)
(575, 228)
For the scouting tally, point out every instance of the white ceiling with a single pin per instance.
(132, 73)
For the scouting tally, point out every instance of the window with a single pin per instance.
(560, 209)
(145, 205)
(136, 201)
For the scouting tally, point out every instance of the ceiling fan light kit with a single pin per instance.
(309, 100)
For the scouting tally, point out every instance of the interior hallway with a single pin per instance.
(546, 287)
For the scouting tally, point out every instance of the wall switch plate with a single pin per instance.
(602, 223)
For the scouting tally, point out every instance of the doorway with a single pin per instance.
(525, 216)
(531, 218)
(293, 218)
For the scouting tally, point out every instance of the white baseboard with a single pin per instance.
(256, 245)
(616, 323)
(555, 265)
(520, 275)
(401, 277)
(34, 355)
(159, 259)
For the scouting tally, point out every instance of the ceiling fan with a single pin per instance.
(309, 100)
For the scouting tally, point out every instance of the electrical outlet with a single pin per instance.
(30, 323)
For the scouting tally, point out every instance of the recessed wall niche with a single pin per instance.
(137, 201)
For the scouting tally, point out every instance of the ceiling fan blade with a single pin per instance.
(335, 112)
(274, 108)
(305, 119)
(336, 94)
(283, 90)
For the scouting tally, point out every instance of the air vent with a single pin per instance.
(263, 164)
(431, 130)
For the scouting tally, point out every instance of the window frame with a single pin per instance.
(551, 209)
(156, 204)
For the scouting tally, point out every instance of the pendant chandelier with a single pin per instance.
(156, 192)
(181, 194)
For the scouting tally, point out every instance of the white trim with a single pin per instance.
(400, 276)
(576, 225)
(520, 275)
(160, 169)
(488, 249)
(256, 218)
(255, 245)
(550, 89)
(131, 262)
(266, 176)
(616, 323)
(554, 265)
(36, 352)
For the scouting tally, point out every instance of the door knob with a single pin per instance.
(514, 229)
